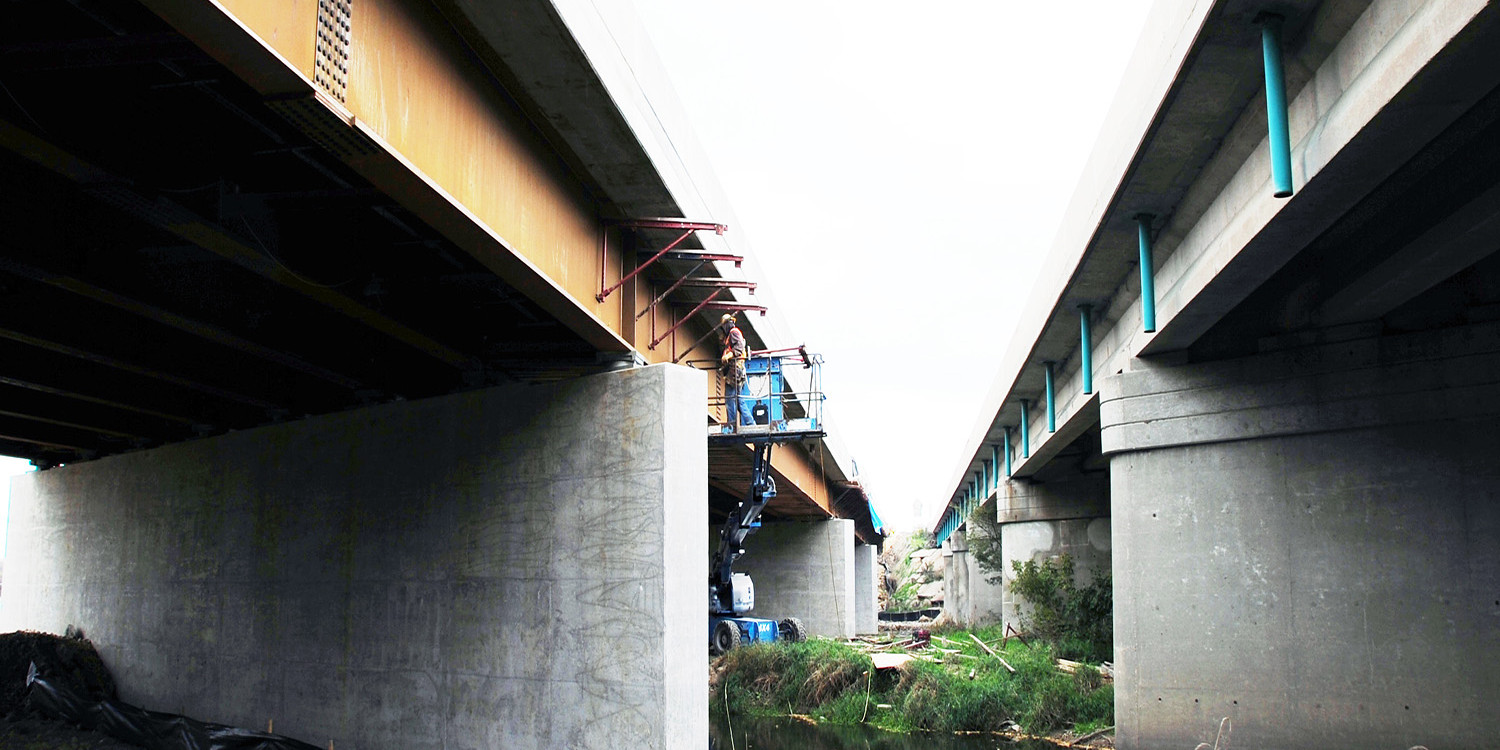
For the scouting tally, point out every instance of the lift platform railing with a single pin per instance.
(782, 393)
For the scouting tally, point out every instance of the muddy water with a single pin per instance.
(789, 734)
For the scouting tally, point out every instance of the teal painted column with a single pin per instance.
(995, 462)
(1085, 347)
(1007, 453)
(1276, 110)
(1051, 401)
(1025, 428)
(1148, 273)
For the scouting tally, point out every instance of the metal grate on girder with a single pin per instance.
(331, 59)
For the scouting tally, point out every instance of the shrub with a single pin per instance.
(1077, 620)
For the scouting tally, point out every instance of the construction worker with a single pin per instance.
(732, 365)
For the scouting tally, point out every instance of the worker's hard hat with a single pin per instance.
(728, 318)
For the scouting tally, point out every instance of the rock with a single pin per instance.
(932, 591)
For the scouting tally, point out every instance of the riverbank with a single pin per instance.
(952, 684)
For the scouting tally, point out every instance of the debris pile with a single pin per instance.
(69, 661)
(892, 650)
(51, 687)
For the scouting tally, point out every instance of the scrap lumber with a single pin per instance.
(1090, 735)
(890, 661)
(991, 651)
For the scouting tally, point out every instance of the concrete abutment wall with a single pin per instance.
(516, 567)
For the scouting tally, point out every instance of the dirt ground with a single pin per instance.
(71, 659)
(19, 732)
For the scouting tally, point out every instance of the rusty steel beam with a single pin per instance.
(80, 427)
(155, 314)
(92, 414)
(78, 395)
(133, 368)
(489, 148)
(177, 220)
(26, 430)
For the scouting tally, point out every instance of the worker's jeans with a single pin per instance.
(739, 404)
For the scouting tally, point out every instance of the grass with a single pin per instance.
(968, 691)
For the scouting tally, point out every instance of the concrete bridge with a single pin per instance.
(1284, 449)
(353, 358)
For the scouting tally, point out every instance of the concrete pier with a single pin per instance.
(968, 597)
(1305, 542)
(1064, 513)
(866, 598)
(516, 567)
(807, 571)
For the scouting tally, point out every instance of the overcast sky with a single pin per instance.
(899, 170)
(8, 468)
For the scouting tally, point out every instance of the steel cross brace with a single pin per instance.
(690, 281)
(687, 228)
(710, 303)
(686, 318)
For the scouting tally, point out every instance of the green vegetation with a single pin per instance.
(1077, 620)
(967, 690)
(983, 537)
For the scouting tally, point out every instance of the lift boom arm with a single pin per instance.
(743, 520)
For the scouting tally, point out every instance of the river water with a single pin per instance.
(790, 734)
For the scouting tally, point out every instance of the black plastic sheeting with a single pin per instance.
(912, 616)
(149, 729)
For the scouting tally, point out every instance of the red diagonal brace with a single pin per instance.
(687, 227)
(686, 318)
(740, 306)
(711, 331)
(670, 289)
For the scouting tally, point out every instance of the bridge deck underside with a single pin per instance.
(180, 259)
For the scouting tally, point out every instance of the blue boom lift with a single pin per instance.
(781, 415)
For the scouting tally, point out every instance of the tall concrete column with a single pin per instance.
(518, 567)
(866, 601)
(969, 598)
(1305, 542)
(804, 570)
(956, 578)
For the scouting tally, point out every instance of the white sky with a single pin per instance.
(9, 467)
(900, 170)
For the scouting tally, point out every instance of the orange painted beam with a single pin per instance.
(427, 125)
(791, 464)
